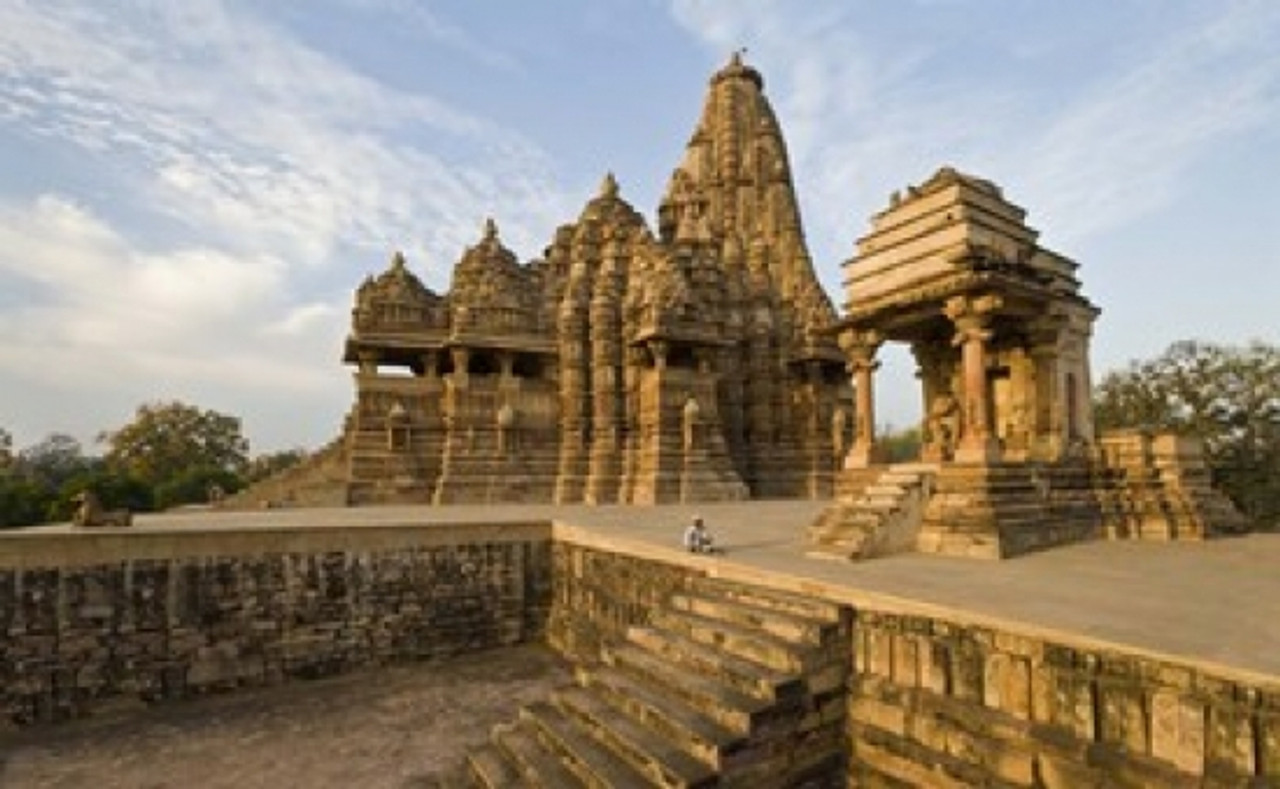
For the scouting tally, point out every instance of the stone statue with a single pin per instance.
(689, 423)
(944, 424)
(839, 429)
(506, 421)
(89, 512)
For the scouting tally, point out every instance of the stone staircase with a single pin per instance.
(727, 685)
(883, 518)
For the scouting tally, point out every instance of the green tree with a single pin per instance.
(30, 480)
(1227, 395)
(270, 463)
(6, 449)
(899, 446)
(53, 461)
(172, 446)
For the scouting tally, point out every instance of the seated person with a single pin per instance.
(696, 538)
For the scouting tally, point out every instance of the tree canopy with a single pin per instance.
(1227, 395)
(168, 440)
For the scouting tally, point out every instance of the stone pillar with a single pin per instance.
(972, 319)
(1048, 433)
(507, 363)
(860, 349)
(430, 364)
(461, 358)
(368, 362)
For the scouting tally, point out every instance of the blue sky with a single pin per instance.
(190, 191)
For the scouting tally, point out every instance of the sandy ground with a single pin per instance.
(400, 726)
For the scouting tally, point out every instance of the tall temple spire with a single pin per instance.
(735, 181)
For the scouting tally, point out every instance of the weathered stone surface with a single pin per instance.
(1070, 717)
(151, 629)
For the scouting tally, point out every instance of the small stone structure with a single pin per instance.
(1000, 333)
(89, 512)
(624, 365)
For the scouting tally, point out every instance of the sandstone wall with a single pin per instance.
(937, 704)
(93, 619)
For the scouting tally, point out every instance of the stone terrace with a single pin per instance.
(1211, 604)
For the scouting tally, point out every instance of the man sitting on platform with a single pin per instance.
(696, 538)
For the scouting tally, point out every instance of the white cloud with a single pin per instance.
(252, 138)
(219, 168)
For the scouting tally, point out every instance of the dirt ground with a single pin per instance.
(400, 726)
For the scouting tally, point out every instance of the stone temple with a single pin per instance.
(624, 365)
(704, 362)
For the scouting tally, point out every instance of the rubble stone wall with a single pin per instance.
(88, 620)
(597, 594)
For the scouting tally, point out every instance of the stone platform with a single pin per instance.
(1208, 603)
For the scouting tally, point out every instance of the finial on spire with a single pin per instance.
(609, 186)
(397, 260)
(736, 58)
(490, 229)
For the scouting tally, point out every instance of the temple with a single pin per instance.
(1010, 459)
(624, 365)
(704, 362)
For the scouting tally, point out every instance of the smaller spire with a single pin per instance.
(609, 186)
(490, 229)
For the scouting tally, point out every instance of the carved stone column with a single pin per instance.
(860, 349)
(972, 319)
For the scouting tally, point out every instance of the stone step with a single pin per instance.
(644, 748)
(537, 764)
(593, 763)
(746, 676)
(717, 700)
(798, 630)
(888, 489)
(459, 778)
(902, 480)
(490, 768)
(740, 641)
(799, 605)
(914, 468)
(696, 732)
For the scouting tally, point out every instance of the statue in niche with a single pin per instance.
(839, 431)
(397, 427)
(506, 423)
(943, 423)
(690, 417)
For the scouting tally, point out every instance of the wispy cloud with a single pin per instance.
(218, 168)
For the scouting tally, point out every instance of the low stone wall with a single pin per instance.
(934, 701)
(94, 618)
(937, 704)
